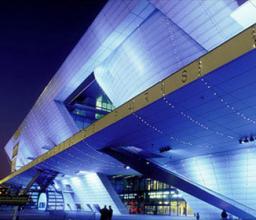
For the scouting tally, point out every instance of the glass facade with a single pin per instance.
(89, 103)
(146, 196)
(104, 104)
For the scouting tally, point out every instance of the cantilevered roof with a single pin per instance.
(203, 108)
(131, 45)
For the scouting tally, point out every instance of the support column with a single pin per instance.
(24, 191)
(115, 197)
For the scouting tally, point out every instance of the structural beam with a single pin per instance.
(24, 191)
(112, 192)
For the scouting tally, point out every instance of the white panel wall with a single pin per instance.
(89, 189)
(208, 22)
(152, 52)
(231, 174)
(205, 210)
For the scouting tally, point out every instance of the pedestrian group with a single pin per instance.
(106, 213)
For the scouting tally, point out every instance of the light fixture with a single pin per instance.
(247, 139)
(127, 167)
(30, 158)
(164, 149)
(81, 172)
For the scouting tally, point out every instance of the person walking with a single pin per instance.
(197, 216)
(224, 214)
(104, 213)
(110, 213)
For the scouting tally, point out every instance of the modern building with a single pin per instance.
(164, 87)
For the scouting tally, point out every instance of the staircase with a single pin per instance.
(33, 194)
(55, 199)
(44, 184)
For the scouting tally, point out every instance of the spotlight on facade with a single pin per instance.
(127, 167)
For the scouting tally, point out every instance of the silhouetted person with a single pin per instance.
(197, 216)
(110, 213)
(224, 214)
(104, 213)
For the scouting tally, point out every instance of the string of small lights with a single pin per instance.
(180, 63)
(159, 131)
(173, 39)
(227, 105)
(66, 163)
(112, 164)
(193, 120)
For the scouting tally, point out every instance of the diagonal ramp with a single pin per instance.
(157, 172)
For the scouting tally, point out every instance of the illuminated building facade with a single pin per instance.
(146, 196)
(131, 46)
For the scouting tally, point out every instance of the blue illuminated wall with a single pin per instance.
(152, 52)
(207, 22)
(87, 189)
(205, 210)
(231, 174)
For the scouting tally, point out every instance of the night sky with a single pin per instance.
(35, 38)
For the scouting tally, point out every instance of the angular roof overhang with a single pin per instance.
(144, 121)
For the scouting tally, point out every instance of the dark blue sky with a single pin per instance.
(36, 37)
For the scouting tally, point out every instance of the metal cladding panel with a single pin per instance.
(88, 189)
(48, 123)
(112, 26)
(156, 49)
(207, 22)
(231, 174)
(205, 210)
